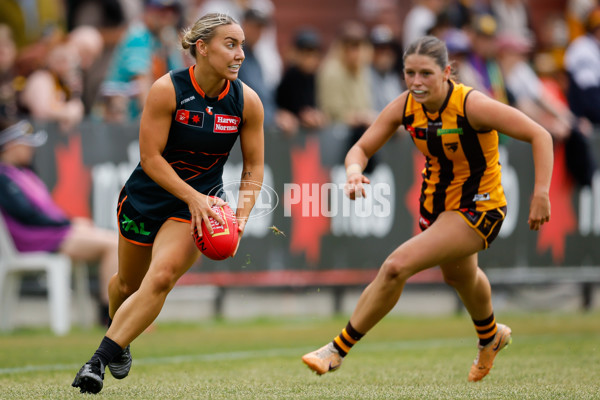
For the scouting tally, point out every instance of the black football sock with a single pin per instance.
(107, 350)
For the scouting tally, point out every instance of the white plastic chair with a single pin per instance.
(57, 267)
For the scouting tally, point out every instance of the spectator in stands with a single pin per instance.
(459, 13)
(296, 95)
(582, 62)
(343, 89)
(513, 17)
(384, 69)
(99, 14)
(53, 94)
(35, 222)
(533, 98)
(526, 87)
(576, 15)
(30, 21)
(252, 73)
(462, 203)
(421, 17)
(459, 50)
(482, 71)
(110, 20)
(10, 82)
(89, 44)
(147, 51)
(36, 27)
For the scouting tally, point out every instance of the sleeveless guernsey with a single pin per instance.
(462, 168)
(203, 132)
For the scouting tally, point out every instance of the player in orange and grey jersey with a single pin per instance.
(190, 122)
(462, 201)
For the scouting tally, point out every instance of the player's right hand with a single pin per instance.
(354, 187)
(201, 210)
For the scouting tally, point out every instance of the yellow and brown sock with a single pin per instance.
(345, 340)
(486, 329)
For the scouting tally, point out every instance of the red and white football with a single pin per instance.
(221, 244)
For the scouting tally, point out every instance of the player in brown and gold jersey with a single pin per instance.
(462, 200)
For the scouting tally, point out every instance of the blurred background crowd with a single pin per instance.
(313, 64)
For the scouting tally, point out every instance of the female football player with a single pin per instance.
(191, 120)
(462, 203)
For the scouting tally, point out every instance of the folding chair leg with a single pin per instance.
(59, 296)
(81, 286)
(9, 291)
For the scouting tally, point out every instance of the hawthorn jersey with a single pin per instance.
(202, 133)
(462, 168)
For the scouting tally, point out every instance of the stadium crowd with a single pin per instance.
(63, 61)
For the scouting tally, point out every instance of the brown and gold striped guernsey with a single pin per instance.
(462, 168)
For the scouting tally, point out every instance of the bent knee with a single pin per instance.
(397, 269)
(126, 289)
(163, 280)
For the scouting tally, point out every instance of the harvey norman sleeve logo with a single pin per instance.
(226, 123)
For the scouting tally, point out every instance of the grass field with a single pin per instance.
(551, 357)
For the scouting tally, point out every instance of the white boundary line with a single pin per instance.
(458, 342)
(245, 355)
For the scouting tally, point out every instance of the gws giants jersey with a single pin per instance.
(202, 133)
(462, 168)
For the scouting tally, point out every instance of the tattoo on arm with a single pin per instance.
(247, 174)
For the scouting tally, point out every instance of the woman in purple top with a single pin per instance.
(35, 222)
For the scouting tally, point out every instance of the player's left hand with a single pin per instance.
(539, 211)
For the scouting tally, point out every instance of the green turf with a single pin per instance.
(551, 357)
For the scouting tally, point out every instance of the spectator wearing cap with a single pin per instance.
(296, 94)
(34, 220)
(458, 44)
(384, 77)
(148, 50)
(482, 71)
(343, 88)
(582, 62)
